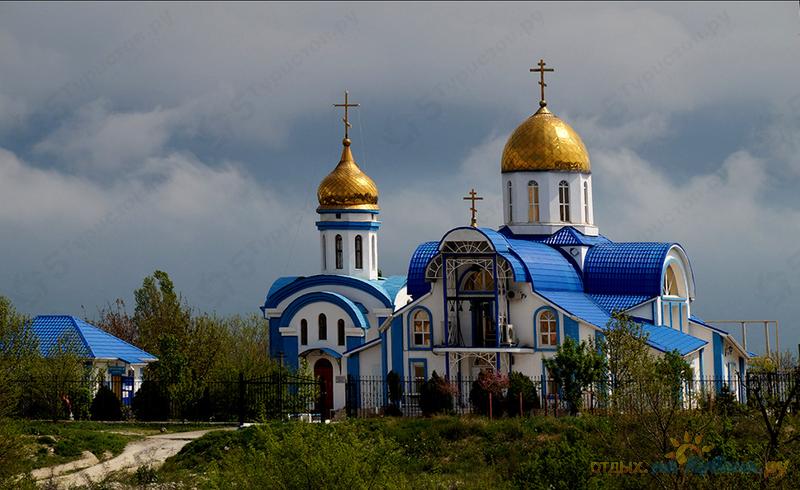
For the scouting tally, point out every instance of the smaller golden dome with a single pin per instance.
(347, 187)
(545, 143)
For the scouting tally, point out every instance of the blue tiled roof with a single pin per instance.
(416, 268)
(570, 236)
(384, 289)
(280, 283)
(89, 341)
(547, 268)
(618, 302)
(668, 339)
(625, 268)
(579, 304)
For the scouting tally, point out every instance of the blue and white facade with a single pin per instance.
(491, 298)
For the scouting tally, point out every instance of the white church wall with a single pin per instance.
(370, 362)
(372, 303)
(642, 311)
(311, 314)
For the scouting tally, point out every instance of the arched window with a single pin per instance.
(563, 200)
(481, 280)
(671, 285)
(339, 260)
(359, 253)
(548, 329)
(340, 331)
(533, 202)
(324, 255)
(421, 332)
(586, 203)
(323, 327)
(303, 332)
(510, 204)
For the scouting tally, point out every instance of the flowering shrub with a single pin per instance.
(493, 382)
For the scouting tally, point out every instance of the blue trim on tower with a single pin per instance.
(348, 225)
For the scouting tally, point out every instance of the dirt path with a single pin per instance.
(152, 451)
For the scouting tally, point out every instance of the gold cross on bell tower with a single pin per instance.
(541, 71)
(473, 196)
(346, 119)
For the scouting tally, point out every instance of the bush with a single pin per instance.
(106, 405)
(436, 396)
(521, 385)
(493, 382)
(150, 402)
(559, 464)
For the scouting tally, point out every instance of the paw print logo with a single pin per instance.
(685, 448)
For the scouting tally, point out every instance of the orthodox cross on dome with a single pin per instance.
(473, 196)
(346, 119)
(541, 71)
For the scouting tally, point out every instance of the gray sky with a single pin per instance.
(192, 137)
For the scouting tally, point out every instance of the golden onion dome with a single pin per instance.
(544, 142)
(347, 187)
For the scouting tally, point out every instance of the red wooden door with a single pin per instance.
(323, 370)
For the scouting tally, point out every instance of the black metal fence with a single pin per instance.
(286, 396)
(370, 396)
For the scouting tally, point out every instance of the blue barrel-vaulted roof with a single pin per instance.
(416, 269)
(625, 268)
(547, 268)
(384, 289)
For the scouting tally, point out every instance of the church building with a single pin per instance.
(483, 297)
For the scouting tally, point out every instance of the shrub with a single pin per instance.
(436, 396)
(493, 382)
(105, 405)
(150, 402)
(559, 464)
(522, 386)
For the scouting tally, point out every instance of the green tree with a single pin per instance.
(624, 346)
(18, 353)
(160, 311)
(574, 367)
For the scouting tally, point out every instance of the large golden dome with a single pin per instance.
(544, 142)
(347, 187)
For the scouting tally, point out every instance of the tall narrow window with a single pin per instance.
(533, 202)
(374, 254)
(563, 201)
(303, 332)
(510, 204)
(339, 261)
(422, 329)
(548, 329)
(323, 327)
(586, 203)
(359, 253)
(340, 331)
(324, 254)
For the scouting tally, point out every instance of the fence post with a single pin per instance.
(241, 398)
(520, 404)
(490, 405)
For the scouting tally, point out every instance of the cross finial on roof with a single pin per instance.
(346, 119)
(541, 71)
(473, 196)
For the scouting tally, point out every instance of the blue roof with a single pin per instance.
(547, 268)
(391, 285)
(568, 236)
(618, 302)
(416, 269)
(88, 340)
(384, 289)
(579, 304)
(668, 339)
(625, 268)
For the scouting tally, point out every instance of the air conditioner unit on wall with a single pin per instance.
(515, 294)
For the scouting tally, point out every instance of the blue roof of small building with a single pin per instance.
(87, 340)
(625, 268)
